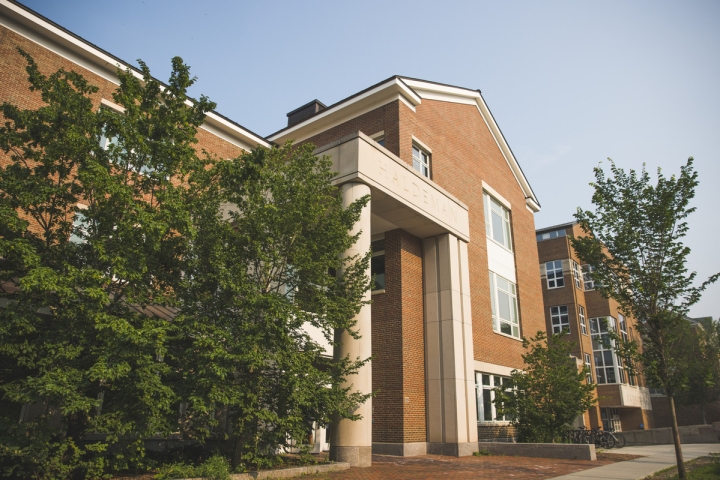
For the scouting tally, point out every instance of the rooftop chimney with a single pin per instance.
(306, 111)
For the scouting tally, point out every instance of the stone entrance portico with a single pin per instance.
(403, 200)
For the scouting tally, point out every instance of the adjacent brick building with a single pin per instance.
(574, 305)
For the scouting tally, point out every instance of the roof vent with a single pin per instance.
(306, 111)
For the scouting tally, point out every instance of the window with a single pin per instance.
(622, 323)
(588, 367)
(577, 277)
(497, 221)
(80, 227)
(590, 284)
(421, 161)
(503, 298)
(379, 137)
(377, 264)
(581, 315)
(560, 319)
(549, 235)
(554, 273)
(606, 370)
(484, 384)
(655, 391)
(106, 142)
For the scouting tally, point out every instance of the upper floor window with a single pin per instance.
(554, 273)
(377, 264)
(503, 299)
(421, 161)
(560, 319)
(588, 367)
(549, 235)
(588, 281)
(577, 276)
(581, 314)
(80, 226)
(497, 221)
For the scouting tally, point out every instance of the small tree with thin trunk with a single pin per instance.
(633, 239)
(549, 393)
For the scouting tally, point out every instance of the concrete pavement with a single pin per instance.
(656, 457)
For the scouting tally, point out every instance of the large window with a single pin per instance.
(421, 161)
(485, 383)
(80, 226)
(560, 319)
(607, 367)
(497, 221)
(581, 314)
(377, 264)
(503, 297)
(554, 273)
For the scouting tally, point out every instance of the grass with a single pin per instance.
(701, 468)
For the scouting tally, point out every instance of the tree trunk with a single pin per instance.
(676, 440)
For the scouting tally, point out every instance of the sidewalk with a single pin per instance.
(657, 457)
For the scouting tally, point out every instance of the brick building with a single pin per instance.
(572, 304)
(450, 223)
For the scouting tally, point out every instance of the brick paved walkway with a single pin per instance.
(435, 466)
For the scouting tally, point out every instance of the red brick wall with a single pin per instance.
(464, 153)
(14, 85)
(398, 344)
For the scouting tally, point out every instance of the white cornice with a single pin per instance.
(386, 92)
(80, 52)
(447, 93)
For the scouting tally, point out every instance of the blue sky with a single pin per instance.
(570, 83)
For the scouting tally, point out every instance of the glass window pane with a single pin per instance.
(486, 380)
(610, 372)
(505, 328)
(487, 406)
(497, 228)
(516, 331)
(503, 284)
(504, 305)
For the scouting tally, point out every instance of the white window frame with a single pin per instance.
(577, 275)
(493, 207)
(605, 359)
(588, 365)
(496, 295)
(421, 159)
(556, 281)
(560, 319)
(493, 381)
(549, 235)
(583, 321)
(588, 282)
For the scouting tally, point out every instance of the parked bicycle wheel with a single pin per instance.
(620, 440)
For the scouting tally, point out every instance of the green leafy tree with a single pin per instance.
(549, 393)
(105, 213)
(270, 231)
(703, 366)
(74, 342)
(633, 239)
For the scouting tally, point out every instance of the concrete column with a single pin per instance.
(352, 441)
(451, 400)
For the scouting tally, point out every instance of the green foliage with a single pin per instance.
(549, 393)
(240, 250)
(215, 468)
(253, 283)
(703, 359)
(634, 241)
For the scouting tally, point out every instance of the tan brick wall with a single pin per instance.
(398, 344)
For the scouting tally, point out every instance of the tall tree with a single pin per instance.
(633, 239)
(549, 393)
(93, 225)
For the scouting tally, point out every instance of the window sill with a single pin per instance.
(507, 336)
(555, 288)
(377, 292)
